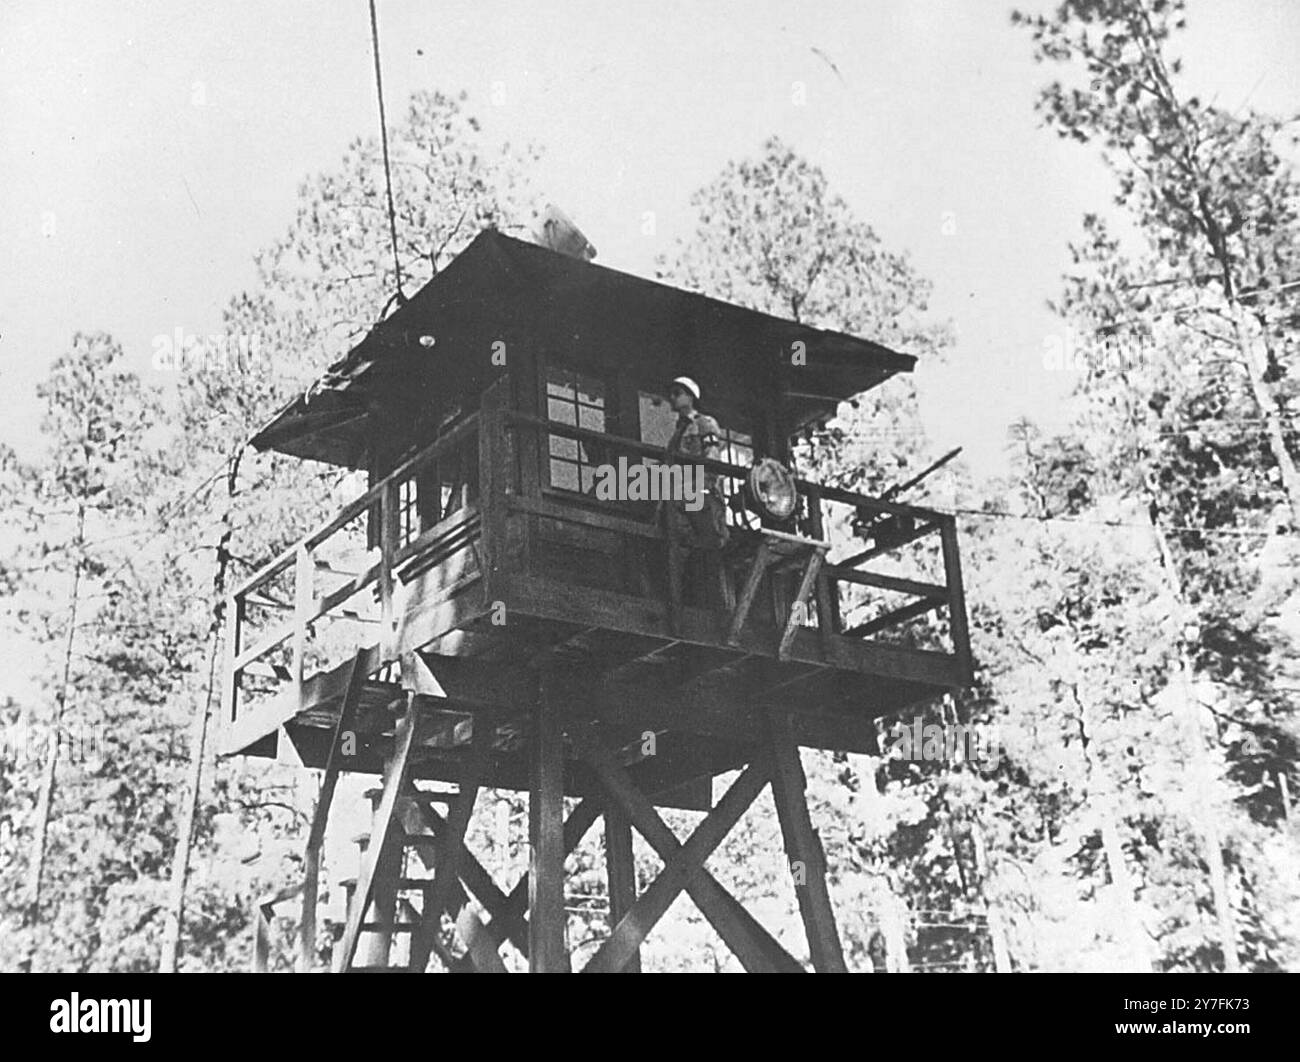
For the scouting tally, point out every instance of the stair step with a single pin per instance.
(421, 795)
(396, 927)
(362, 840)
(350, 884)
(379, 969)
(431, 798)
(411, 839)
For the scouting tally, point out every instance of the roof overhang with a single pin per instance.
(495, 276)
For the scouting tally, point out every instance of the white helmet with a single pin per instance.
(690, 385)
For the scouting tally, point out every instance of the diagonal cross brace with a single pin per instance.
(633, 928)
(450, 848)
(508, 920)
(757, 950)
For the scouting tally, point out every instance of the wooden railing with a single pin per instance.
(288, 582)
(503, 489)
(824, 513)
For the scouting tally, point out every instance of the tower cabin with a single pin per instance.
(483, 614)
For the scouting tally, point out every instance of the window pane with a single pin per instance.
(741, 455)
(561, 411)
(562, 447)
(591, 419)
(588, 479)
(658, 420)
(564, 475)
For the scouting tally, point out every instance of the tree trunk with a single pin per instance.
(171, 935)
(175, 915)
(1254, 352)
(1201, 781)
(893, 926)
(1122, 881)
(1188, 716)
(45, 799)
(1101, 795)
(992, 915)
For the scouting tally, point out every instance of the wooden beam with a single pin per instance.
(321, 687)
(547, 920)
(689, 858)
(320, 817)
(376, 944)
(804, 847)
(828, 600)
(261, 937)
(811, 568)
(263, 911)
(893, 619)
(751, 943)
(553, 600)
(231, 679)
(620, 868)
(755, 576)
(451, 848)
(381, 832)
(889, 582)
(956, 598)
(507, 922)
(480, 945)
(304, 597)
(494, 467)
(580, 820)
(920, 531)
(389, 507)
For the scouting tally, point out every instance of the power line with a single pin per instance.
(383, 136)
(1119, 524)
(917, 431)
(164, 518)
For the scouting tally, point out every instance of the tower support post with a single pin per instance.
(803, 847)
(620, 866)
(547, 950)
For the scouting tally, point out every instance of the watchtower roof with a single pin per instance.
(501, 286)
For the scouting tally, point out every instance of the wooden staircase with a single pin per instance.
(400, 905)
(385, 901)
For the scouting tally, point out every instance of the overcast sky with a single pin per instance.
(148, 149)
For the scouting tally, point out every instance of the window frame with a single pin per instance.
(610, 388)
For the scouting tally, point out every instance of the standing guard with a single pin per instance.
(694, 526)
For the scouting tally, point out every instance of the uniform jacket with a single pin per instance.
(698, 435)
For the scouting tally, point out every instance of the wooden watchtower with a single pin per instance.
(479, 618)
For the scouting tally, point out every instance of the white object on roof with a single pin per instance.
(559, 233)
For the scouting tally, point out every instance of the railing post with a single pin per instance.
(234, 633)
(957, 623)
(389, 503)
(304, 593)
(494, 471)
(828, 602)
(261, 937)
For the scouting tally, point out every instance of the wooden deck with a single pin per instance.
(517, 582)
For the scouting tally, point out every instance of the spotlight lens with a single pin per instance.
(772, 486)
